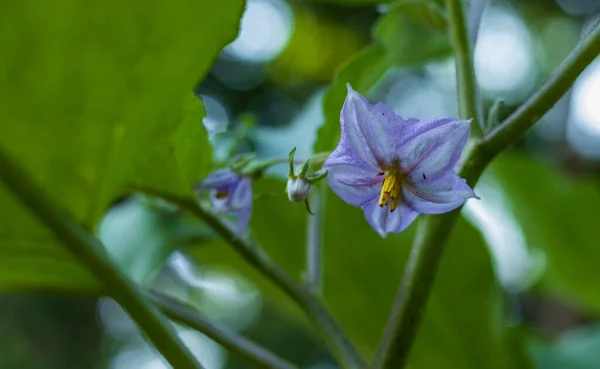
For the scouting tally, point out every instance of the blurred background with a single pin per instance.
(538, 215)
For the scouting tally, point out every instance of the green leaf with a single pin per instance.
(89, 88)
(559, 217)
(463, 325)
(413, 32)
(363, 71)
(178, 161)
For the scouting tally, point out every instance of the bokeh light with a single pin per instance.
(505, 238)
(503, 62)
(265, 29)
(583, 129)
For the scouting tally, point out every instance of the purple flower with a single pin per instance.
(395, 168)
(231, 195)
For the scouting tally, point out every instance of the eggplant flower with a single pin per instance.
(395, 168)
(231, 195)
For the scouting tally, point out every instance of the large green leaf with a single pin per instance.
(463, 325)
(177, 162)
(559, 216)
(413, 32)
(362, 71)
(88, 90)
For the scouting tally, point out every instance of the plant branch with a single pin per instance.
(435, 230)
(92, 255)
(238, 345)
(334, 337)
(547, 96)
(469, 102)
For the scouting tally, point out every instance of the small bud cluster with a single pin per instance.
(298, 186)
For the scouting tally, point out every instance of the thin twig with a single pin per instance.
(242, 347)
(93, 256)
(334, 337)
(469, 102)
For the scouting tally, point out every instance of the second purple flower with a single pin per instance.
(231, 195)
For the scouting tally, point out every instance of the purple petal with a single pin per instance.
(243, 219)
(219, 178)
(434, 152)
(241, 196)
(436, 197)
(353, 183)
(383, 221)
(370, 130)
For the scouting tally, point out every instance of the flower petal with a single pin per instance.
(241, 197)
(436, 197)
(243, 220)
(354, 184)
(433, 153)
(219, 178)
(371, 130)
(383, 221)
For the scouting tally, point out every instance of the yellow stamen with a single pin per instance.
(391, 190)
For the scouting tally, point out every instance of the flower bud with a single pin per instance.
(297, 189)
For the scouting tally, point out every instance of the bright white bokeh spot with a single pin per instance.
(208, 353)
(583, 129)
(443, 73)
(225, 295)
(503, 62)
(419, 97)
(515, 267)
(265, 29)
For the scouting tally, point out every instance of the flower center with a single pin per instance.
(390, 190)
(221, 194)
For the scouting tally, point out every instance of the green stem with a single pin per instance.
(334, 337)
(469, 103)
(434, 232)
(314, 241)
(547, 96)
(237, 345)
(92, 255)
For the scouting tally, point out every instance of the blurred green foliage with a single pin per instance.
(558, 215)
(410, 32)
(464, 321)
(413, 32)
(362, 72)
(89, 92)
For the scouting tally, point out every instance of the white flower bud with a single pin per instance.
(297, 189)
